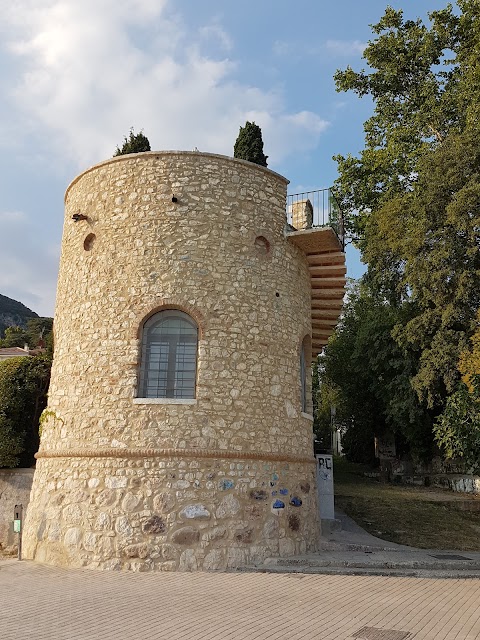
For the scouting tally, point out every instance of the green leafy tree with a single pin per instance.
(411, 89)
(38, 331)
(249, 144)
(23, 396)
(371, 375)
(14, 337)
(135, 143)
(414, 192)
(326, 397)
(457, 431)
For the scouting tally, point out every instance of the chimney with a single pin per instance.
(302, 214)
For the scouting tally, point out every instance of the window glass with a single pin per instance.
(169, 356)
(303, 377)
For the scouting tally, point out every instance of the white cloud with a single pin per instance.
(335, 48)
(308, 121)
(282, 48)
(345, 47)
(214, 32)
(92, 70)
(288, 134)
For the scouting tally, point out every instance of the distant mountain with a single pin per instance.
(13, 313)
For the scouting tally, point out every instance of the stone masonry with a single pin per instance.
(210, 483)
(15, 487)
(302, 214)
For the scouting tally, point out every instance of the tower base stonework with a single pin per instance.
(170, 514)
(178, 433)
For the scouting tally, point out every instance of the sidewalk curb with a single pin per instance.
(368, 571)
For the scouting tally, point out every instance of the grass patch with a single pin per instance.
(418, 516)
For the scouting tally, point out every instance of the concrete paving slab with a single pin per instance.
(351, 533)
(353, 551)
(378, 596)
(47, 603)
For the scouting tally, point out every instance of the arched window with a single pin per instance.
(303, 376)
(169, 356)
(306, 375)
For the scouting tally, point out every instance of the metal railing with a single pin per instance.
(317, 208)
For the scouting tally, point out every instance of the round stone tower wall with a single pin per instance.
(218, 481)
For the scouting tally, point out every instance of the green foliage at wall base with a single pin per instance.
(23, 396)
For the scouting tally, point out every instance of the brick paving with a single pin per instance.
(47, 603)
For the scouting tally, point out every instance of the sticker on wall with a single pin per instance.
(284, 492)
(278, 504)
(296, 501)
(226, 484)
(274, 493)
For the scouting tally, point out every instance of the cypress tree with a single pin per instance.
(249, 144)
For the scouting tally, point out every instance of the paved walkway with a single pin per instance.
(39, 602)
(352, 551)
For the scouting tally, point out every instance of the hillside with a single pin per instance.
(13, 313)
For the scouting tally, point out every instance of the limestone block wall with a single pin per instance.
(218, 481)
(15, 486)
(461, 483)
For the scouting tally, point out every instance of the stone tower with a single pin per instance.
(178, 432)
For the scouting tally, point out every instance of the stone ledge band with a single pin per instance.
(172, 453)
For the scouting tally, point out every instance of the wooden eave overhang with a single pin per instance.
(326, 264)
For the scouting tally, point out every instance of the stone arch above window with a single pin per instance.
(168, 357)
(151, 307)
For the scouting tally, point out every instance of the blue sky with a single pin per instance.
(76, 75)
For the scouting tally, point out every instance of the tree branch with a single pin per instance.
(436, 133)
